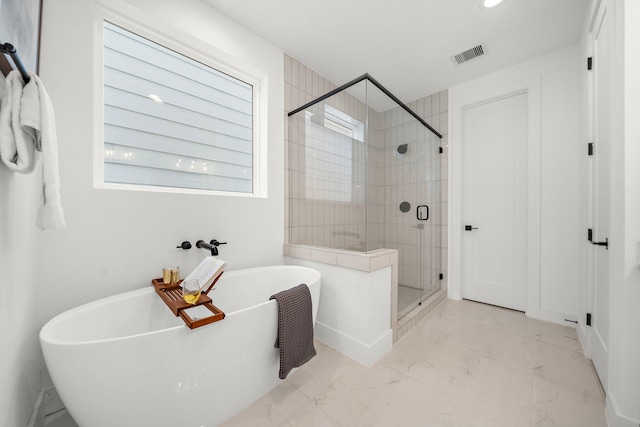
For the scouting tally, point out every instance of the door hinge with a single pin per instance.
(441, 276)
(588, 319)
(590, 148)
(440, 150)
(589, 63)
(590, 234)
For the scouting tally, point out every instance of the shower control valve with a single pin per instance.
(184, 245)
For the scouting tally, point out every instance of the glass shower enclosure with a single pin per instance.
(363, 173)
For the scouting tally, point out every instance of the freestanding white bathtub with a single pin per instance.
(127, 360)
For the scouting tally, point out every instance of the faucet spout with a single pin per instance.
(212, 246)
(204, 245)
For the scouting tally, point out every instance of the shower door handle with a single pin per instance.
(469, 228)
(420, 212)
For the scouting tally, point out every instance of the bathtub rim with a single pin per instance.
(46, 334)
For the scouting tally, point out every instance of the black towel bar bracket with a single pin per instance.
(9, 49)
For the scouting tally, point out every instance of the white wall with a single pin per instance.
(19, 325)
(626, 368)
(623, 389)
(553, 86)
(118, 240)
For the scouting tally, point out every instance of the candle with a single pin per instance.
(166, 275)
(175, 275)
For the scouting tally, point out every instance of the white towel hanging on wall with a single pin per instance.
(28, 138)
(17, 147)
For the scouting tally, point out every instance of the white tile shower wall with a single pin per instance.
(325, 195)
(354, 226)
(418, 179)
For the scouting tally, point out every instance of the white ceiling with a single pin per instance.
(406, 44)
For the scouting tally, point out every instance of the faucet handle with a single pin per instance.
(184, 245)
(214, 242)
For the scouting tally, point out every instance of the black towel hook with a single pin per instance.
(9, 49)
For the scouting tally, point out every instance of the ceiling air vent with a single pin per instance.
(468, 55)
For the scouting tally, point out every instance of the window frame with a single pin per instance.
(187, 45)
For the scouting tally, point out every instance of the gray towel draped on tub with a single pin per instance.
(295, 328)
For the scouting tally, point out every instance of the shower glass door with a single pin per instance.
(413, 205)
(364, 174)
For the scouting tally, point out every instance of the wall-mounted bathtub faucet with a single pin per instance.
(212, 245)
(184, 245)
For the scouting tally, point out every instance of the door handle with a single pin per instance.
(469, 228)
(605, 243)
(419, 213)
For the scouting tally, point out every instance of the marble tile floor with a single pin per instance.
(464, 364)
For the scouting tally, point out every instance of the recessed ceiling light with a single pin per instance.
(156, 98)
(490, 3)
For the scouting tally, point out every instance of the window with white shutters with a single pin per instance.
(171, 121)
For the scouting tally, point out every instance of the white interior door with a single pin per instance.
(601, 197)
(494, 166)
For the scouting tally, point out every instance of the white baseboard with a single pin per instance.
(365, 354)
(551, 316)
(39, 410)
(49, 409)
(614, 418)
(59, 419)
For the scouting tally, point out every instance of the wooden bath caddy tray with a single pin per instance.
(172, 296)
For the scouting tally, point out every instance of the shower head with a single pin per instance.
(402, 149)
